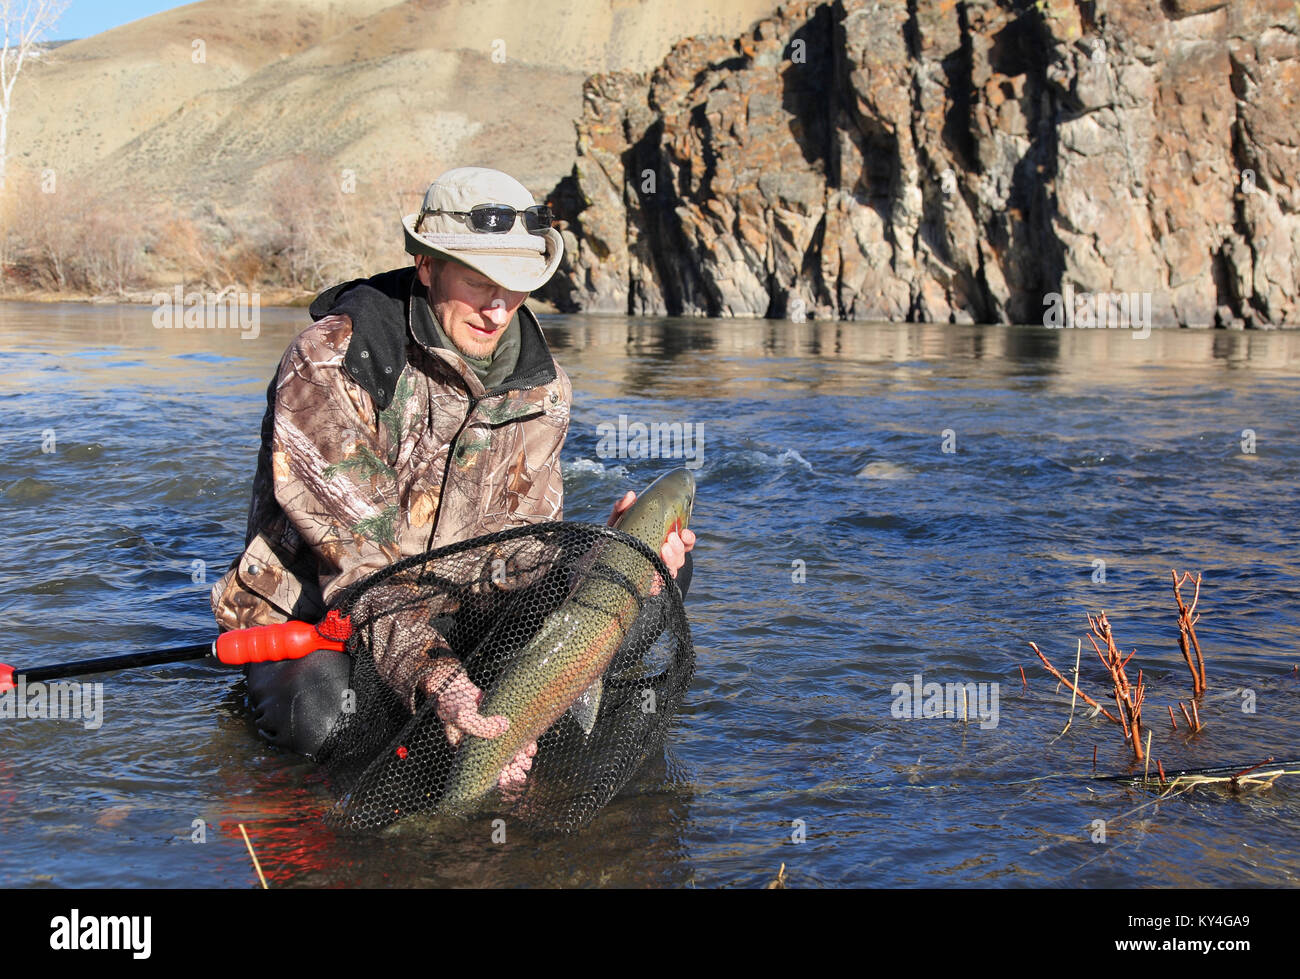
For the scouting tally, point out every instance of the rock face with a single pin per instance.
(949, 161)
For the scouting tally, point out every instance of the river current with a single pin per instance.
(880, 508)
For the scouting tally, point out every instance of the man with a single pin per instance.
(421, 407)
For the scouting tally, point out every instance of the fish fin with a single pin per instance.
(586, 707)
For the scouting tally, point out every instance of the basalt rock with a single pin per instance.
(948, 161)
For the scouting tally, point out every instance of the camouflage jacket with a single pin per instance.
(378, 444)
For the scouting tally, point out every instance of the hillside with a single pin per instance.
(373, 86)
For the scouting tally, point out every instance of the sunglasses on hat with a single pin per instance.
(495, 219)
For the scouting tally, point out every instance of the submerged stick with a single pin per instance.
(779, 883)
(1074, 697)
(1056, 673)
(257, 865)
(1247, 771)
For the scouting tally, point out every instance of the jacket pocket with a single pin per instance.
(265, 587)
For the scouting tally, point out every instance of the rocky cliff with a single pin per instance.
(949, 161)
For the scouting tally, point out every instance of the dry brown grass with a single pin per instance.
(72, 241)
(306, 228)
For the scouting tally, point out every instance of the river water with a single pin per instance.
(876, 503)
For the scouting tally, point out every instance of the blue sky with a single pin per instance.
(86, 17)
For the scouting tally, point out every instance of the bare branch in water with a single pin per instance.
(1187, 619)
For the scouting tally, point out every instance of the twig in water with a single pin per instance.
(1056, 673)
(256, 865)
(1247, 771)
(1078, 653)
(1128, 696)
(1187, 619)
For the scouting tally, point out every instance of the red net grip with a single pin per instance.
(269, 643)
(335, 626)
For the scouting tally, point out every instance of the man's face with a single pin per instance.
(474, 311)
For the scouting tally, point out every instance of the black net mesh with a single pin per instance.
(532, 617)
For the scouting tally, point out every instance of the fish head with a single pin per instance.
(678, 495)
(664, 508)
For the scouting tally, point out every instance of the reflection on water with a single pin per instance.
(842, 550)
(670, 338)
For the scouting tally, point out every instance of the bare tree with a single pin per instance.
(25, 23)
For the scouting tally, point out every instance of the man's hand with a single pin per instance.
(675, 547)
(458, 702)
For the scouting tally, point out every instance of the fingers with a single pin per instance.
(472, 722)
(458, 695)
(517, 771)
(621, 507)
(674, 553)
(458, 710)
(688, 538)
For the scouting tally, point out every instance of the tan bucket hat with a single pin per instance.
(518, 260)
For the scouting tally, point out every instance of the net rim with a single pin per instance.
(345, 602)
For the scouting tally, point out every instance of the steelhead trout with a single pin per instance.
(561, 667)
